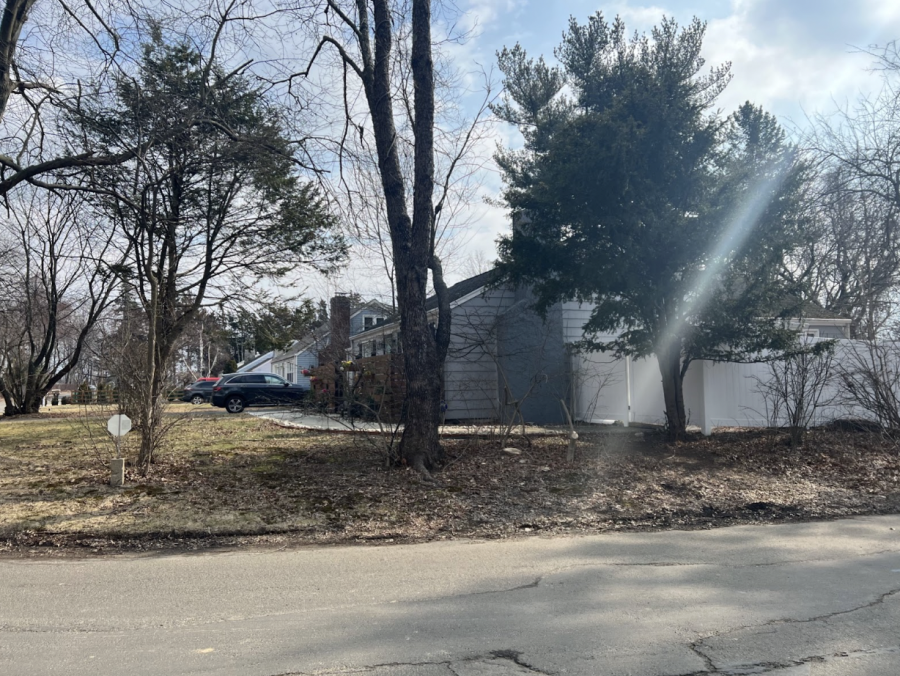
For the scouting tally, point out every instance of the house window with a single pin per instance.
(811, 333)
(290, 377)
(371, 321)
(374, 348)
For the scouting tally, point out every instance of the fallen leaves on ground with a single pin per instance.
(239, 481)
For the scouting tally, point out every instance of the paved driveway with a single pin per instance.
(805, 599)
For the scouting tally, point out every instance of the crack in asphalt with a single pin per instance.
(768, 667)
(514, 656)
(710, 666)
(531, 585)
(61, 630)
(765, 667)
(881, 598)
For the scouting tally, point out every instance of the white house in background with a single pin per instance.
(821, 323)
(301, 354)
(504, 360)
(304, 353)
(261, 364)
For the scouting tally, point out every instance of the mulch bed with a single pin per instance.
(622, 480)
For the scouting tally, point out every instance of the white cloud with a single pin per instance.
(637, 17)
(799, 57)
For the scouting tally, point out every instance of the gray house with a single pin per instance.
(505, 362)
(503, 358)
(304, 353)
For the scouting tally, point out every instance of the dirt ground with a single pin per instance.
(229, 481)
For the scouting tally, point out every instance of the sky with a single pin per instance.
(796, 58)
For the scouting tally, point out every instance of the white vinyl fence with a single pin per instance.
(716, 395)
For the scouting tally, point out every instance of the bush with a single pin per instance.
(797, 388)
(870, 375)
(83, 395)
(104, 394)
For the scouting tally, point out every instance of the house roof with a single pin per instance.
(369, 305)
(321, 333)
(259, 361)
(456, 292)
(463, 288)
(811, 310)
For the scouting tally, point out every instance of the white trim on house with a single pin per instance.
(431, 314)
(469, 296)
(255, 366)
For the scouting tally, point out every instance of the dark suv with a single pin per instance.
(236, 391)
(200, 392)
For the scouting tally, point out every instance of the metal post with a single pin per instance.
(627, 390)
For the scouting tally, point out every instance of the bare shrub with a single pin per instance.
(137, 396)
(870, 377)
(796, 389)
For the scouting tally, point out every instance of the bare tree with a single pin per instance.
(853, 264)
(476, 263)
(57, 287)
(863, 140)
(796, 389)
(850, 263)
(398, 88)
(40, 76)
(869, 372)
(203, 214)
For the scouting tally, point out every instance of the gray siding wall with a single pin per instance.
(534, 361)
(305, 360)
(574, 316)
(470, 372)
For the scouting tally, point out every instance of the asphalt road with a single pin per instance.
(805, 599)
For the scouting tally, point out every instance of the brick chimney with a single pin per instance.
(340, 328)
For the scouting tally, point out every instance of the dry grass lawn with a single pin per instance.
(239, 479)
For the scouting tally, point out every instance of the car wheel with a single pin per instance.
(234, 404)
(197, 399)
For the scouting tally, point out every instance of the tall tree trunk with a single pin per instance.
(148, 406)
(412, 239)
(32, 400)
(671, 369)
(25, 397)
(28, 405)
(420, 444)
(150, 412)
(15, 14)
